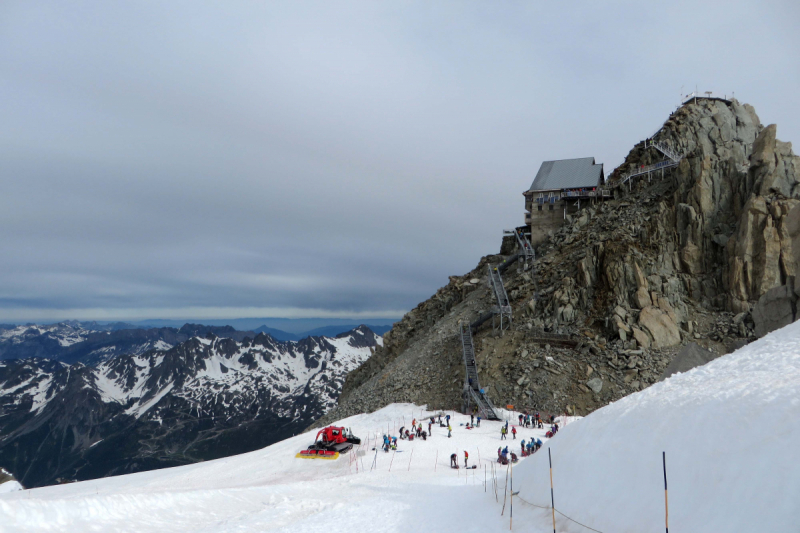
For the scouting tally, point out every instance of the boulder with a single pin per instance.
(690, 356)
(642, 298)
(596, 384)
(660, 326)
(692, 258)
(775, 309)
(641, 337)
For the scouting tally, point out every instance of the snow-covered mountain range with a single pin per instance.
(92, 343)
(204, 398)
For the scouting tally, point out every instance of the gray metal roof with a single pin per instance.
(568, 174)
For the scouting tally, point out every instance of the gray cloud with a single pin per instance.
(299, 159)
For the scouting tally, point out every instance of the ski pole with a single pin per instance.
(666, 502)
(552, 498)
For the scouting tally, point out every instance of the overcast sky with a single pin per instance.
(238, 159)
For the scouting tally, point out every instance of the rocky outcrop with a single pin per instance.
(681, 257)
(662, 328)
(776, 308)
(692, 355)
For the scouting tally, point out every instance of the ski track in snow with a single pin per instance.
(607, 470)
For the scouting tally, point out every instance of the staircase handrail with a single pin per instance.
(664, 149)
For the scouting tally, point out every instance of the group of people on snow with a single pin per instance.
(527, 420)
(454, 460)
(504, 456)
(530, 447)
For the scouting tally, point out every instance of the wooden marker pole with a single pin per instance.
(511, 512)
(409, 460)
(505, 491)
(437, 461)
(552, 498)
(666, 500)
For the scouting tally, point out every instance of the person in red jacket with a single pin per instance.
(466, 458)
(514, 432)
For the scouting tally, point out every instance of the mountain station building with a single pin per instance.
(560, 189)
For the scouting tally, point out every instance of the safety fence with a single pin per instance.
(509, 494)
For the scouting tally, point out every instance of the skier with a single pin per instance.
(453, 460)
(522, 445)
(447, 418)
(479, 421)
(520, 419)
(466, 458)
(449, 431)
(514, 432)
(429, 427)
(502, 433)
(402, 434)
(472, 418)
(414, 424)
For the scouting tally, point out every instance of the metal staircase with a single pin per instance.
(472, 387)
(503, 305)
(528, 255)
(525, 248)
(664, 149)
(673, 159)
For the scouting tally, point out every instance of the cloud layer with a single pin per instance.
(300, 158)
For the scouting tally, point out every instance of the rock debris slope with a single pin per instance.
(702, 253)
(205, 398)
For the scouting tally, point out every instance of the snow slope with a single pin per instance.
(270, 489)
(729, 429)
(10, 486)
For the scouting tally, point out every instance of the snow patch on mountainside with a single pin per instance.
(10, 486)
(140, 408)
(161, 345)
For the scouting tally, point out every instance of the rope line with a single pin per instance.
(559, 512)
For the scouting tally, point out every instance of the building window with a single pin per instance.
(539, 207)
(551, 207)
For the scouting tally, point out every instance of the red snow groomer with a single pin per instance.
(329, 443)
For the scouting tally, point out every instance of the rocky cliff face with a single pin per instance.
(671, 259)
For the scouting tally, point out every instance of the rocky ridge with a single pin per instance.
(701, 254)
